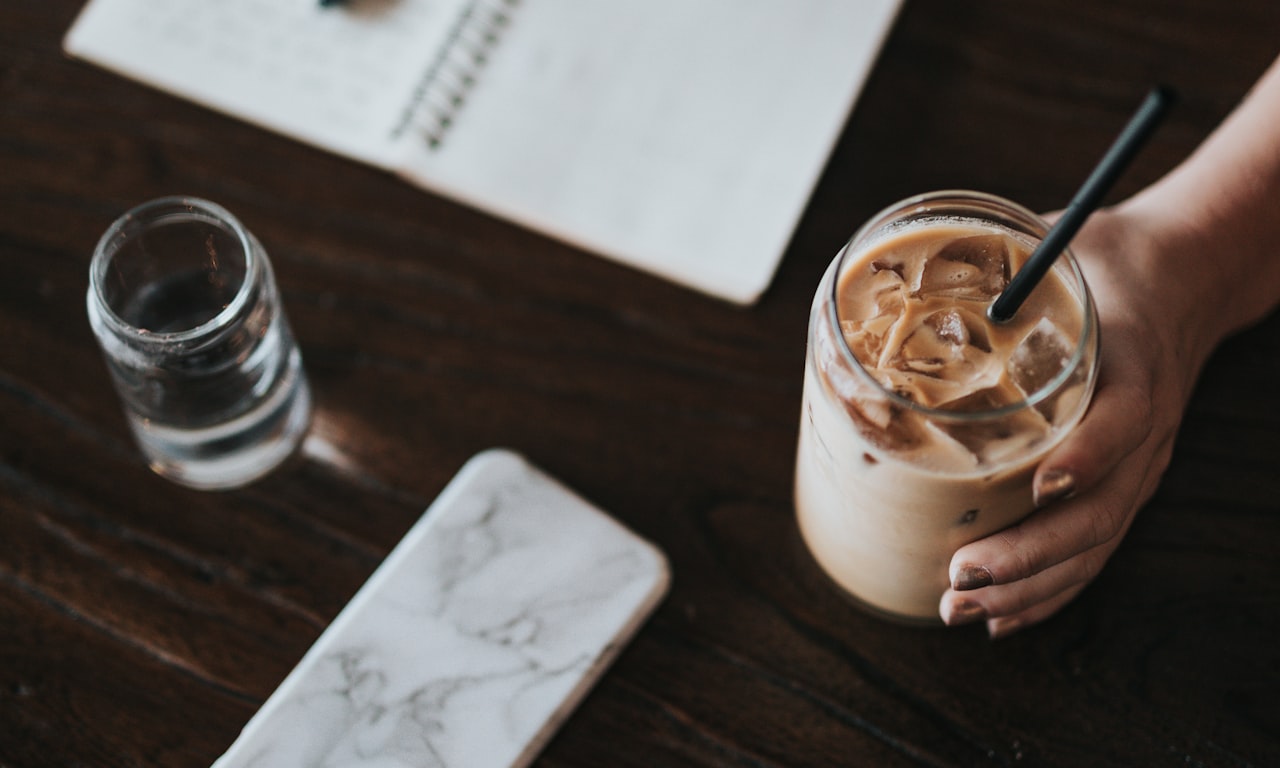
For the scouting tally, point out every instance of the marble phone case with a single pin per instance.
(473, 641)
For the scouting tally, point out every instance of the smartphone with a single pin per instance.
(476, 637)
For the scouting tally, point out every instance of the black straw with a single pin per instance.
(1086, 201)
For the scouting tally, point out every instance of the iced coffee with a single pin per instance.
(923, 420)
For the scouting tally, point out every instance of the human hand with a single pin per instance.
(1089, 489)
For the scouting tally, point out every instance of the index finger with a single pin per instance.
(1060, 531)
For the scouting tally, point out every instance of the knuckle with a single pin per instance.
(1020, 555)
(1106, 520)
(1089, 565)
(1140, 411)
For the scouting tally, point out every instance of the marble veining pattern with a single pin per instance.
(472, 641)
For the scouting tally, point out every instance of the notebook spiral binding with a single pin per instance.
(443, 90)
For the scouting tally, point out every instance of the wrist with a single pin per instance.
(1150, 263)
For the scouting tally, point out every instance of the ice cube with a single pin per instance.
(885, 425)
(865, 338)
(937, 341)
(949, 326)
(994, 440)
(870, 295)
(994, 444)
(959, 328)
(974, 267)
(862, 341)
(987, 399)
(950, 346)
(921, 385)
(896, 267)
(1039, 357)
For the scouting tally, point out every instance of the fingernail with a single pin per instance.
(1053, 485)
(972, 577)
(965, 612)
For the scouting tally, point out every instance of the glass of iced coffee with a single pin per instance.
(923, 420)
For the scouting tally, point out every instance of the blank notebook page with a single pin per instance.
(682, 138)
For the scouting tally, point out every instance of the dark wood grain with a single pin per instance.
(141, 624)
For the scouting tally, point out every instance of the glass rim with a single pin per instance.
(150, 212)
(1038, 227)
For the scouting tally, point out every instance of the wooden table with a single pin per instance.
(141, 624)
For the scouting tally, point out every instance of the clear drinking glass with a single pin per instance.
(888, 487)
(185, 307)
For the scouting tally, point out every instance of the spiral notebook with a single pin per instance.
(681, 137)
